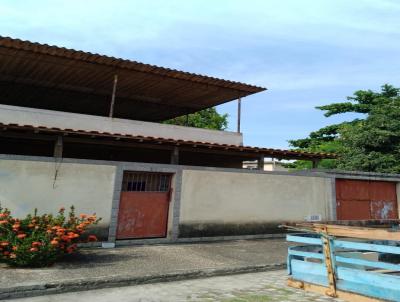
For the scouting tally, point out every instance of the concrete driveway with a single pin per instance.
(98, 268)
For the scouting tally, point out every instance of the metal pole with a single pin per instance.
(315, 163)
(58, 147)
(260, 162)
(113, 95)
(239, 113)
(175, 156)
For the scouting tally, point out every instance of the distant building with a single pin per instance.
(269, 165)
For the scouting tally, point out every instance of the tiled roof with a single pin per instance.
(257, 151)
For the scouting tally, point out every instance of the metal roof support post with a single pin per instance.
(239, 113)
(113, 95)
(175, 156)
(58, 147)
(260, 162)
(315, 163)
(58, 155)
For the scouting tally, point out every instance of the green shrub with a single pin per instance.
(38, 241)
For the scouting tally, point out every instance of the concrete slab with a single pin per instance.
(76, 121)
(99, 268)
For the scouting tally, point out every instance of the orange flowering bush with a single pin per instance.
(38, 241)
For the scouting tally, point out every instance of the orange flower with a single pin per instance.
(21, 236)
(2, 215)
(33, 249)
(14, 248)
(31, 225)
(36, 243)
(62, 209)
(71, 249)
(54, 242)
(65, 238)
(83, 215)
(4, 243)
(13, 256)
(16, 226)
(72, 235)
(92, 218)
(92, 238)
(3, 221)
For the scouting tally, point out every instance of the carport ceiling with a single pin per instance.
(50, 77)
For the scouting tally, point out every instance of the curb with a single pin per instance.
(119, 281)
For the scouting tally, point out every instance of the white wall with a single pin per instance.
(25, 185)
(66, 120)
(231, 197)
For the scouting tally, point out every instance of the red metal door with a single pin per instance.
(363, 200)
(144, 204)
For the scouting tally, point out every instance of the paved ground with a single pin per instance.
(94, 267)
(255, 287)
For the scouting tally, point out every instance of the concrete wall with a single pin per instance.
(25, 185)
(227, 203)
(66, 120)
(205, 201)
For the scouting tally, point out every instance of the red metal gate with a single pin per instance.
(363, 200)
(144, 204)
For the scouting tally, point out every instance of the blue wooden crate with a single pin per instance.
(353, 270)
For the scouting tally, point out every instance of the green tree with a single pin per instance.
(368, 144)
(207, 118)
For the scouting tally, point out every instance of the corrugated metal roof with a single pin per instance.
(57, 78)
(267, 152)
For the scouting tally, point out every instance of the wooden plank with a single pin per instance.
(370, 284)
(357, 232)
(347, 296)
(312, 272)
(303, 239)
(329, 266)
(368, 263)
(381, 248)
(293, 252)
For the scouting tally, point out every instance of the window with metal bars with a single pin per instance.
(146, 182)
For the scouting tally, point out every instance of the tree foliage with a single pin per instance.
(368, 144)
(207, 118)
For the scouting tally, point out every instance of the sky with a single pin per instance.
(306, 53)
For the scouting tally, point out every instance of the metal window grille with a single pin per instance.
(146, 182)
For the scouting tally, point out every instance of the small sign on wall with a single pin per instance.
(313, 217)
